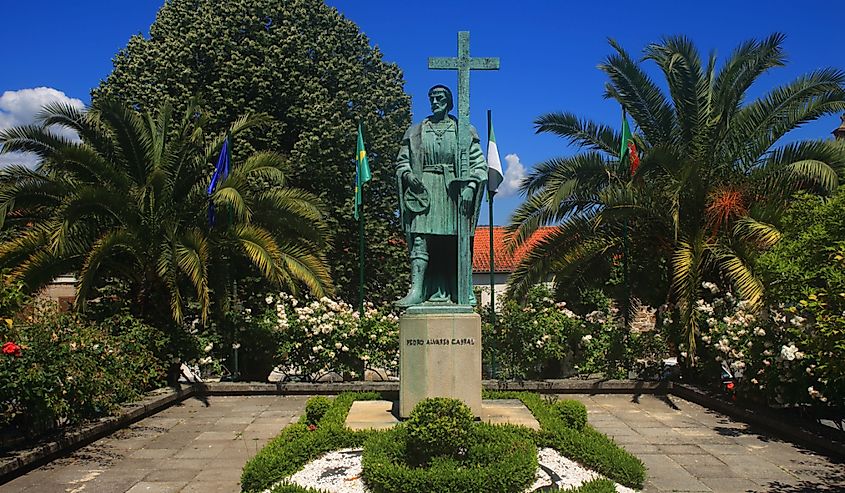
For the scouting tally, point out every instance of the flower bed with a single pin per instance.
(296, 446)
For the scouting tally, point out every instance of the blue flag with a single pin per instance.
(221, 171)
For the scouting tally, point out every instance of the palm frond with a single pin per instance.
(260, 249)
(192, 255)
(639, 95)
(583, 133)
(104, 247)
(751, 230)
(301, 264)
(759, 125)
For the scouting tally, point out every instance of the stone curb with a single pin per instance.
(75, 438)
(563, 386)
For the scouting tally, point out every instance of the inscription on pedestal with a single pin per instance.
(440, 342)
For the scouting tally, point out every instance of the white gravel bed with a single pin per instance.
(340, 472)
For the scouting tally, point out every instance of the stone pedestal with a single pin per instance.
(439, 356)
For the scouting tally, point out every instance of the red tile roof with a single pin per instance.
(504, 262)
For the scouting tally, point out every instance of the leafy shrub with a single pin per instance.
(600, 485)
(439, 426)
(805, 273)
(321, 335)
(533, 336)
(781, 356)
(67, 370)
(498, 459)
(573, 413)
(316, 408)
(296, 445)
(538, 337)
(588, 446)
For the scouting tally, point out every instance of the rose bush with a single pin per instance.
(61, 370)
(778, 355)
(320, 335)
(540, 337)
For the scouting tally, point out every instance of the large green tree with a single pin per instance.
(316, 74)
(130, 202)
(712, 182)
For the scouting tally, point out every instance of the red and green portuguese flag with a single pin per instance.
(628, 148)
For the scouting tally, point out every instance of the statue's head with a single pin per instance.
(440, 98)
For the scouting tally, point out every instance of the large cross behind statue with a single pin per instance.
(463, 64)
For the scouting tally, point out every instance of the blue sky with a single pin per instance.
(549, 51)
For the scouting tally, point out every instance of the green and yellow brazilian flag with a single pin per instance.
(362, 171)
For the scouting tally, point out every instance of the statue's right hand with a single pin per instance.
(413, 182)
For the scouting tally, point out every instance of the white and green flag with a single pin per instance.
(494, 164)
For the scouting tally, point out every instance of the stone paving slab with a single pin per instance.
(380, 415)
(201, 446)
(687, 447)
(198, 445)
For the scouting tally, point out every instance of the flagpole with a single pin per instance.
(627, 314)
(360, 235)
(490, 195)
(235, 336)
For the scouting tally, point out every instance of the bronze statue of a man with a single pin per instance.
(432, 199)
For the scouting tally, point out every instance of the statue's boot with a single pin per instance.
(472, 300)
(416, 294)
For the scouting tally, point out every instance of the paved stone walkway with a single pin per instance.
(687, 447)
(190, 447)
(194, 447)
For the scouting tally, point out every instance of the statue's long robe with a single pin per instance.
(433, 161)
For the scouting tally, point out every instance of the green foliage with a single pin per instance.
(316, 408)
(317, 75)
(68, 370)
(587, 446)
(315, 336)
(13, 295)
(600, 485)
(296, 445)
(538, 337)
(130, 202)
(573, 413)
(497, 459)
(794, 351)
(437, 427)
(533, 334)
(809, 253)
(293, 488)
(712, 181)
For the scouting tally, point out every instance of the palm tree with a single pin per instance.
(712, 181)
(129, 202)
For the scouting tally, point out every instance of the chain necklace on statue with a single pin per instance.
(440, 129)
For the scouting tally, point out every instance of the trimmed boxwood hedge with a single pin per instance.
(587, 446)
(599, 485)
(296, 446)
(499, 459)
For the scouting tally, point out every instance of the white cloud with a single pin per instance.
(21, 107)
(514, 174)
